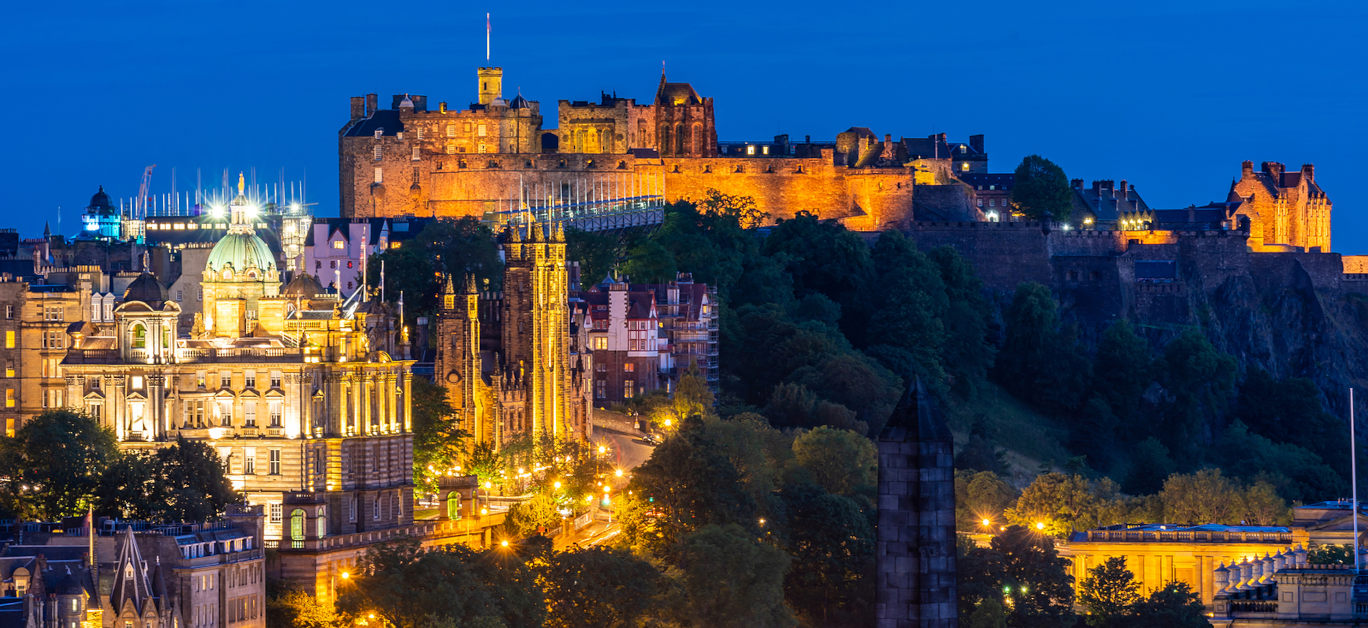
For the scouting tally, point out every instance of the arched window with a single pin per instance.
(697, 143)
(453, 505)
(297, 525)
(322, 521)
(679, 139)
(139, 336)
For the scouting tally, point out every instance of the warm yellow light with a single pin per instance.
(606, 489)
(762, 522)
(669, 422)
(1040, 525)
(345, 575)
(503, 543)
(987, 522)
(370, 616)
(484, 511)
(556, 485)
(603, 449)
(489, 485)
(617, 472)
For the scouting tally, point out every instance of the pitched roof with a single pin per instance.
(386, 120)
(131, 584)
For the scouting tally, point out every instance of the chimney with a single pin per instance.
(371, 103)
(807, 139)
(1309, 172)
(1121, 192)
(1273, 168)
(419, 102)
(1247, 169)
(1076, 184)
(358, 107)
(441, 106)
(976, 143)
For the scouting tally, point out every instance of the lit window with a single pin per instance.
(601, 343)
(750, 150)
(338, 244)
(378, 152)
(964, 166)
(629, 368)
(277, 513)
(451, 130)
(249, 462)
(9, 397)
(415, 153)
(275, 462)
(379, 175)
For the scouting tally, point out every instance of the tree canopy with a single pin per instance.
(1040, 190)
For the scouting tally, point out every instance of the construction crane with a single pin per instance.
(143, 198)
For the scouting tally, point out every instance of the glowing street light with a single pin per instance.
(987, 522)
(1040, 525)
(503, 543)
(618, 472)
(556, 485)
(603, 449)
(345, 575)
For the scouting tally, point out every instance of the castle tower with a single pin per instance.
(458, 358)
(490, 84)
(916, 532)
(536, 325)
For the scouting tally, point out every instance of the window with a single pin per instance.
(250, 413)
(275, 413)
(52, 312)
(378, 153)
(199, 379)
(339, 245)
(9, 311)
(9, 368)
(628, 388)
(415, 154)
(297, 524)
(481, 131)
(249, 461)
(601, 367)
(420, 133)
(277, 512)
(250, 379)
(9, 397)
(379, 175)
(453, 505)
(136, 382)
(482, 148)
(9, 340)
(225, 409)
(275, 379)
(601, 342)
(225, 379)
(750, 150)
(629, 367)
(600, 389)
(450, 149)
(375, 509)
(139, 337)
(451, 130)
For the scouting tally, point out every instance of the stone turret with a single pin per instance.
(916, 532)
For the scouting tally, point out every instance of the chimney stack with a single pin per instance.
(1247, 168)
(1309, 172)
(372, 105)
(976, 143)
(358, 107)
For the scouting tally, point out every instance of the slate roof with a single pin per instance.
(385, 119)
(988, 181)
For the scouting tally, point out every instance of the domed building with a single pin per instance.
(101, 218)
(240, 271)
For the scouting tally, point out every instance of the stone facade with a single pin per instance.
(916, 531)
(515, 363)
(1284, 209)
(410, 161)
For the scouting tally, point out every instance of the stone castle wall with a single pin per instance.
(472, 184)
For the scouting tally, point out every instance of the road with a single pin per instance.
(628, 450)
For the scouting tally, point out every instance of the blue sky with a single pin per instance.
(1170, 96)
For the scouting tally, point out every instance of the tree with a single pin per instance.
(841, 461)
(1109, 593)
(1174, 604)
(1040, 190)
(54, 465)
(598, 252)
(190, 481)
(438, 440)
(535, 516)
(1022, 568)
(1330, 554)
(1039, 362)
(906, 307)
(1067, 504)
(979, 496)
(966, 352)
(1122, 370)
(730, 579)
(1200, 382)
(445, 246)
(740, 207)
(1206, 496)
(598, 587)
(831, 541)
(298, 609)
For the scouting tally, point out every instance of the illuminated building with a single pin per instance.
(514, 363)
(286, 384)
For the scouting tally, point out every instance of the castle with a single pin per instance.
(412, 160)
(517, 363)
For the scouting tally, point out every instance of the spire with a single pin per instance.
(470, 284)
(447, 289)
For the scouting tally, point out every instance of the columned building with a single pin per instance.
(284, 384)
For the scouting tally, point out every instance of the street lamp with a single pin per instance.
(1040, 525)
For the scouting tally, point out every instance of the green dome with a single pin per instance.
(242, 251)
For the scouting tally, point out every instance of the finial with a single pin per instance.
(242, 184)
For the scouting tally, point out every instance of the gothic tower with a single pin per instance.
(916, 532)
(536, 324)
(458, 357)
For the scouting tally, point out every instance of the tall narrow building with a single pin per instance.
(916, 533)
(514, 363)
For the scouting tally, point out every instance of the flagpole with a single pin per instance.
(1353, 476)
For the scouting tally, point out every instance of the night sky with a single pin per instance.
(1170, 96)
